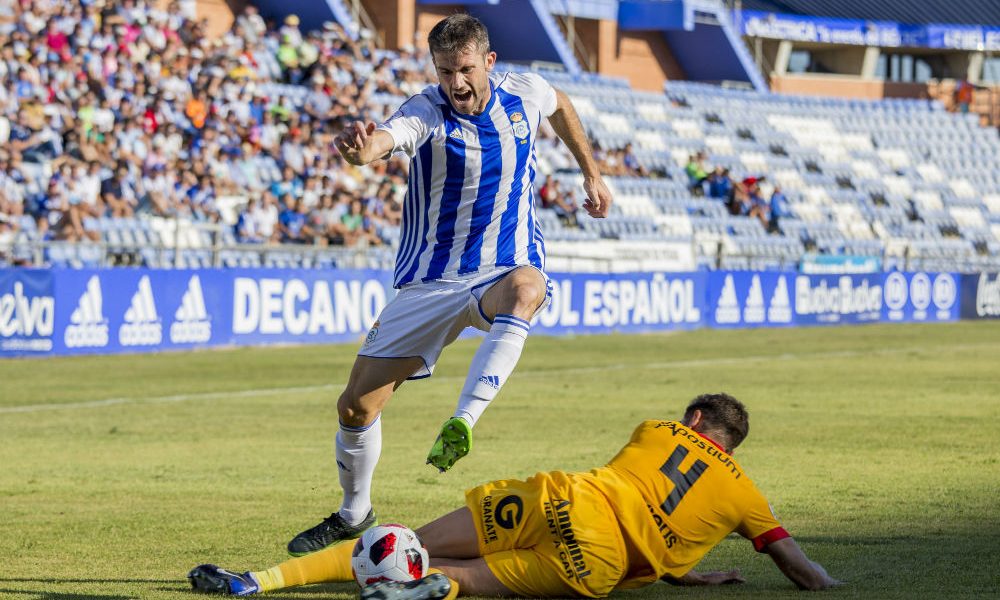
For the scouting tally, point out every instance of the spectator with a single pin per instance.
(358, 227)
(719, 183)
(696, 173)
(963, 95)
(552, 197)
(631, 162)
(118, 194)
(247, 231)
(779, 209)
(294, 225)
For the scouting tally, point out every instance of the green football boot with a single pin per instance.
(454, 442)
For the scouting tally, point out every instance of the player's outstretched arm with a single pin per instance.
(794, 563)
(708, 578)
(360, 143)
(566, 123)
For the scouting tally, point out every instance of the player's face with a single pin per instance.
(464, 77)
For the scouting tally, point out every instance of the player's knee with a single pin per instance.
(353, 411)
(526, 294)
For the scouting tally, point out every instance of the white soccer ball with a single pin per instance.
(388, 553)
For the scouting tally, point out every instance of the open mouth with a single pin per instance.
(462, 96)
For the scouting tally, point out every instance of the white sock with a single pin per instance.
(358, 449)
(491, 366)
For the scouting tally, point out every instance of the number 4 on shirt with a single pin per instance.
(683, 480)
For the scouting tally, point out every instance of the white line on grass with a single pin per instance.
(302, 389)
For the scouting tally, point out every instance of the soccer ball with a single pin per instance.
(388, 553)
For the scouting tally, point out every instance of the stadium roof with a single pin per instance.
(970, 12)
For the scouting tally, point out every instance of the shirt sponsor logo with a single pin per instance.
(557, 515)
(192, 323)
(88, 327)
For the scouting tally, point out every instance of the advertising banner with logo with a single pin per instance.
(835, 299)
(917, 297)
(980, 296)
(623, 302)
(27, 312)
(750, 299)
(53, 312)
(305, 305)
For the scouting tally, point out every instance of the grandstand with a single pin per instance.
(220, 140)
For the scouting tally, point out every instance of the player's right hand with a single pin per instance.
(354, 138)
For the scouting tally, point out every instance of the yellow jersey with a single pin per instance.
(676, 495)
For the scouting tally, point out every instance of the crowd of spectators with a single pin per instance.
(117, 109)
(743, 197)
(112, 110)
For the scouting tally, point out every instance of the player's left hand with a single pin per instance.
(723, 577)
(599, 199)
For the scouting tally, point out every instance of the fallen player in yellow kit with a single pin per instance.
(653, 512)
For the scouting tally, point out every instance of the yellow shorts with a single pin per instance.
(551, 535)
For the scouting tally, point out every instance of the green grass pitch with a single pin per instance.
(877, 446)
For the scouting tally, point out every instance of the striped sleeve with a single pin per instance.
(412, 124)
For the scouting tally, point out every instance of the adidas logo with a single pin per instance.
(780, 310)
(88, 328)
(142, 325)
(192, 324)
(728, 309)
(491, 380)
(754, 310)
(456, 134)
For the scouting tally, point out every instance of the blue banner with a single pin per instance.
(857, 32)
(833, 299)
(88, 311)
(980, 296)
(917, 297)
(750, 299)
(624, 302)
(27, 312)
(306, 305)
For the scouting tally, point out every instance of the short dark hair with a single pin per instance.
(457, 32)
(723, 413)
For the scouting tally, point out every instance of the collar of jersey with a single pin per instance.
(481, 117)
(713, 442)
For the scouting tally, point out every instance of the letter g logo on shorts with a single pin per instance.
(508, 511)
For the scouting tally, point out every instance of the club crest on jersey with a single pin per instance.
(519, 125)
(372, 333)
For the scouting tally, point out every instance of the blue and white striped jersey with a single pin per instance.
(468, 209)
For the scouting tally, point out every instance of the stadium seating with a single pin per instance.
(898, 179)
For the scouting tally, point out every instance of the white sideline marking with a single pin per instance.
(677, 364)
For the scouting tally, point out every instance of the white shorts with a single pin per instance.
(423, 318)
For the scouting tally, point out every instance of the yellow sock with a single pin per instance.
(331, 564)
(454, 584)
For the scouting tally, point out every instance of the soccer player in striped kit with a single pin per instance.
(471, 252)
